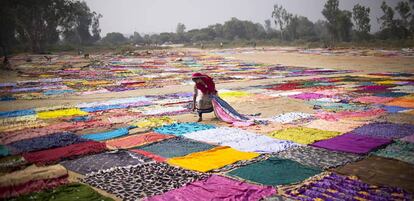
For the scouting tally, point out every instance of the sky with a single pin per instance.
(156, 16)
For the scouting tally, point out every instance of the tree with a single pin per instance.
(403, 9)
(362, 21)
(387, 20)
(268, 26)
(331, 12)
(114, 38)
(390, 27)
(136, 38)
(281, 17)
(180, 28)
(301, 28)
(345, 25)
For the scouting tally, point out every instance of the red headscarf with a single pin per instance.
(208, 87)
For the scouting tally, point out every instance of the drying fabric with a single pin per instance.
(4, 151)
(149, 155)
(56, 154)
(275, 171)
(400, 150)
(225, 112)
(405, 89)
(136, 140)
(395, 109)
(336, 187)
(176, 147)
(73, 191)
(16, 113)
(11, 163)
(290, 117)
(103, 161)
(211, 159)
(402, 102)
(307, 96)
(241, 163)
(342, 126)
(108, 135)
(216, 188)
(136, 182)
(241, 140)
(166, 110)
(303, 135)
(114, 102)
(61, 113)
(409, 138)
(44, 142)
(154, 122)
(16, 126)
(352, 143)
(391, 94)
(277, 198)
(382, 171)
(316, 157)
(32, 179)
(385, 130)
(372, 99)
(182, 128)
(103, 107)
(335, 116)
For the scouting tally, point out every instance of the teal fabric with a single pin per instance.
(4, 151)
(176, 147)
(275, 171)
(403, 151)
(179, 129)
(108, 135)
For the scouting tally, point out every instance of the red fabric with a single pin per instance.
(149, 155)
(53, 155)
(208, 87)
(32, 186)
(286, 87)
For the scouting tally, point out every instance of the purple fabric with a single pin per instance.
(385, 130)
(217, 188)
(352, 143)
(307, 96)
(408, 138)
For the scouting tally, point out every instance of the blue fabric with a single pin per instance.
(394, 109)
(391, 94)
(16, 113)
(107, 135)
(103, 107)
(57, 92)
(182, 128)
(81, 118)
(4, 151)
(44, 142)
(227, 106)
(7, 98)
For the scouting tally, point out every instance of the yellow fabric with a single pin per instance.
(211, 159)
(154, 122)
(33, 173)
(303, 135)
(231, 94)
(60, 113)
(386, 82)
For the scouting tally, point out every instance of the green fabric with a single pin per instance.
(68, 192)
(176, 147)
(4, 151)
(399, 150)
(275, 171)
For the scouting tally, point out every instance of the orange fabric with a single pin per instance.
(402, 102)
(136, 140)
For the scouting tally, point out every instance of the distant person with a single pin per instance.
(6, 63)
(204, 90)
(221, 44)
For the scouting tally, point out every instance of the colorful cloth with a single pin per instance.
(211, 159)
(290, 117)
(136, 140)
(275, 171)
(73, 191)
(176, 147)
(382, 172)
(241, 140)
(16, 113)
(103, 161)
(225, 112)
(385, 130)
(373, 99)
(147, 154)
(337, 187)
(4, 151)
(216, 188)
(303, 135)
(409, 138)
(57, 154)
(399, 150)
(154, 122)
(45, 142)
(136, 182)
(11, 163)
(402, 102)
(108, 134)
(395, 109)
(182, 128)
(61, 113)
(316, 157)
(352, 143)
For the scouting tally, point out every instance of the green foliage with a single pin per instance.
(362, 21)
(281, 17)
(114, 38)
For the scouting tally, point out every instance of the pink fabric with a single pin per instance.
(217, 188)
(149, 155)
(373, 99)
(307, 96)
(221, 114)
(409, 138)
(331, 116)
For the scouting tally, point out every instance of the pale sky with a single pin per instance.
(155, 16)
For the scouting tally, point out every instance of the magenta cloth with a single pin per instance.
(352, 143)
(409, 138)
(307, 96)
(217, 188)
(374, 88)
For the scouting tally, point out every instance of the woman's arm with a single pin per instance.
(195, 98)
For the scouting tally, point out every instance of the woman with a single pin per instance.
(204, 90)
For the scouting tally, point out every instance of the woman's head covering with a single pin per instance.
(208, 86)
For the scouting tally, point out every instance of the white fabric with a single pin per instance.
(290, 117)
(241, 140)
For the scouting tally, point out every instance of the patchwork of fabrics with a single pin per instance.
(136, 140)
(400, 150)
(303, 135)
(385, 130)
(182, 128)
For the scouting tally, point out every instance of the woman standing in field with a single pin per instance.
(204, 90)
